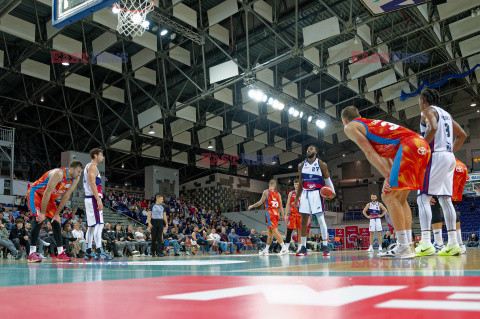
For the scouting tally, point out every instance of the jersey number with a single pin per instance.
(274, 204)
(315, 169)
(384, 123)
(447, 128)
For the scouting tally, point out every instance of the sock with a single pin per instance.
(267, 247)
(426, 236)
(304, 241)
(459, 236)
(437, 237)
(402, 237)
(325, 243)
(283, 246)
(409, 236)
(33, 249)
(60, 249)
(452, 237)
(89, 238)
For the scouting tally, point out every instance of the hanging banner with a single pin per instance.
(377, 7)
(351, 234)
(20, 187)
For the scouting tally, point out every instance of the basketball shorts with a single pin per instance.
(438, 179)
(94, 216)
(35, 204)
(294, 221)
(375, 225)
(272, 217)
(410, 164)
(311, 202)
(459, 181)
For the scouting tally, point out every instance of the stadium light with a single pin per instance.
(291, 110)
(210, 146)
(301, 115)
(321, 124)
(164, 32)
(151, 132)
(115, 9)
(310, 119)
(296, 113)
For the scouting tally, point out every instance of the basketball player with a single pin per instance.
(313, 175)
(375, 211)
(92, 185)
(41, 197)
(401, 156)
(294, 218)
(439, 130)
(273, 202)
(460, 177)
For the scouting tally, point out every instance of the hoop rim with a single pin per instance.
(143, 10)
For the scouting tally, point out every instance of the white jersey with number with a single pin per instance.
(439, 175)
(86, 184)
(443, 139)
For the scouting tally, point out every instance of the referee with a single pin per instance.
(157, 218)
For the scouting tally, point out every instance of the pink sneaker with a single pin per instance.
(34, 258)
(62, 257)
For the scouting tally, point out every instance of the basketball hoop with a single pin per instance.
(132, 16)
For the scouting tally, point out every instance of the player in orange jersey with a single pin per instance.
(41, 197)
(460, 177)
(294, 217)
(401, 156)
(273, 203)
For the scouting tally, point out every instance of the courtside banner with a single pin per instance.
(377, 7)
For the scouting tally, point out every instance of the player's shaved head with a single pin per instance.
(350, 113)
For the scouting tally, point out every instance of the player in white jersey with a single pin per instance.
(375, 211)
(92, 185)
(313, 175)
(445, 137)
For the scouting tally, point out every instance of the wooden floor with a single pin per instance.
(182, 286)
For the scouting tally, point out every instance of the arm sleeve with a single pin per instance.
(329, 182)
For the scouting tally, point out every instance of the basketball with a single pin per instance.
(326, 191)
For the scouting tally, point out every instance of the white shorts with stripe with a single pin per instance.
(375, 225)
(439, 175)
(94, 216)
(311, 202)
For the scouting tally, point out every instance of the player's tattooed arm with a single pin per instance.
(260, 202)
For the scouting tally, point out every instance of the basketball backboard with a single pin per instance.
(65, 12)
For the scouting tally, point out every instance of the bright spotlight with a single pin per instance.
(252, 93)
(164, 32)
(281, 106)
(310, 119)
(137, 18)
(264, 98)
(146, 24)
(115, 9)
(321, 124)
(296, 113)
(291, 110)
(270, 101)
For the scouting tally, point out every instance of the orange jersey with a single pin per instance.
(41, 184)
(386, 137)
(293, 209)
(460, 176)
(273, 200)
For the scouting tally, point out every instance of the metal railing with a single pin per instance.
(6, 134)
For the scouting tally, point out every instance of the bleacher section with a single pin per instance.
(469, 217)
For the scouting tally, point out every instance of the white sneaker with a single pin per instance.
(370, 249)
(463, 248)
(400, 251)
(45, 243)
(42, 256)
(135, 253)
(380, 249)
(143, 255)
(263, 252)
(283, 251)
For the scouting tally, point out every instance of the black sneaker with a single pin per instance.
(302, 252)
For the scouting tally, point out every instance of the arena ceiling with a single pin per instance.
(167, 79)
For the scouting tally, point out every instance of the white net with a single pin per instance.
(132, 16)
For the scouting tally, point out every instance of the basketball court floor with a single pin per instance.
(349, 283)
